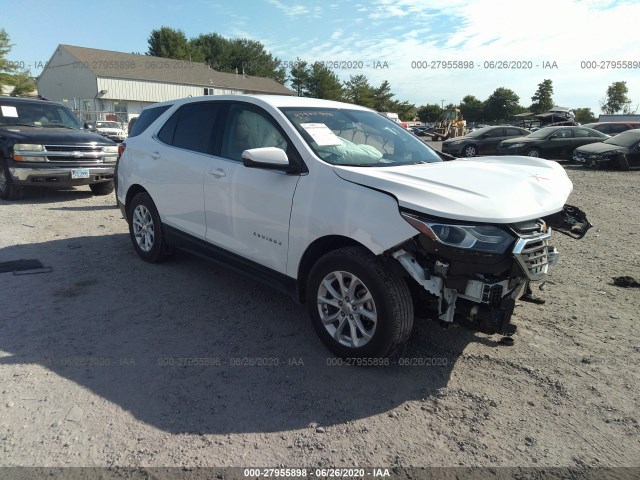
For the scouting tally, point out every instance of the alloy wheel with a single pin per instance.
(347, 309)
(143, 228)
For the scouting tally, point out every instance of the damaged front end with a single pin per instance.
(472, 274)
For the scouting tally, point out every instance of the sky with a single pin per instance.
(575, 43)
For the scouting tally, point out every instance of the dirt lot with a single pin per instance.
(109, 361)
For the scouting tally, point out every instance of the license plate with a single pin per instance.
(80, 173)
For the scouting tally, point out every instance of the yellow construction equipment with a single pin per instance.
(450, 125)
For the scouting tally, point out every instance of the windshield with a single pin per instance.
(107, 125)
(358, 138)
(625, 139)
(34, 114)
(542, 133)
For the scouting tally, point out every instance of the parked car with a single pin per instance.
(550, 142)
(345, 210)
(482, 141)
(42, 143)
(613, 128)
(621, 151)
(112, 130)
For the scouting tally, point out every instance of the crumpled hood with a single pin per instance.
(488, 189)
(600, 148)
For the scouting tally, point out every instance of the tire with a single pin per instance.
(145, 229)
(622, 162)
(383, 295)
(533, 152)
(103, 188)
(470, 151)
(8, 189)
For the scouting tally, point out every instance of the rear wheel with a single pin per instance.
(470, 151)
(104, 188)
(358, 306)
(8, 189)
(145, 229)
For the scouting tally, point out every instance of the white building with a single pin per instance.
(100, 84)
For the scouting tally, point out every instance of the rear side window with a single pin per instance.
(193, 129)
(146, 118)
(582, 132)
(619, 128)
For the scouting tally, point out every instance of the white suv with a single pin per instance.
(345, 210)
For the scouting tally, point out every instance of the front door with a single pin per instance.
(248, 209)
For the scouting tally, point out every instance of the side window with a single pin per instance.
(583, 132)
(168, 129)
(249, 128)
(498, 132)
(515, 132)
(618, 129)
(146, 118)
(194, 126)
(563, 133)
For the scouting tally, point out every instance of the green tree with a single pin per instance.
(501, 105)
(299, 76)
(405, 110)
(6, 67)
(584, 115)
(383, 98)
(472, 108)
(167, 42)
(323, 83)
(251, 58)
(357, 90)
(430, 112)
(543, 98)
(23, 84)
(616, 99)
(10, 74)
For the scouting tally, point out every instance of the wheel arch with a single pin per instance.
(317, 249)
(132, 192)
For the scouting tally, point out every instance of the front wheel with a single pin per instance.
(622, 162)
(358, 306)
(8, 189)
(145, 229)
(103, 188)
(470, 151)
(534, 152)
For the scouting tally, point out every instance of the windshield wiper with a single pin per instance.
(19, 125)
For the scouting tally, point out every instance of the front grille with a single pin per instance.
(80, 154)
(532, 254)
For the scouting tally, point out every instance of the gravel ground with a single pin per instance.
(110, 361)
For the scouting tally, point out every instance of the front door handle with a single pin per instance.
(218, 172)
(155, 155)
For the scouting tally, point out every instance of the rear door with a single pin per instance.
(248, 209)
(182, 153)
(584, 136)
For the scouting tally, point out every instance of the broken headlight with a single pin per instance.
(484, 238)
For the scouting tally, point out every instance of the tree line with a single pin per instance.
(307, 79)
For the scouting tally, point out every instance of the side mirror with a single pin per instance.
(485, 135)
(90, 126)
(268, 158)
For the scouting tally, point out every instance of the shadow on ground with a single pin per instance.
(188, 346)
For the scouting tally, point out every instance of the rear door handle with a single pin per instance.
(218, 172)
(155, 155)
